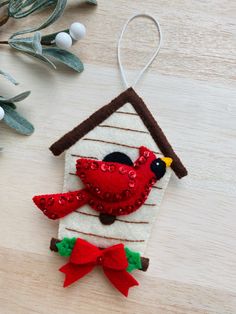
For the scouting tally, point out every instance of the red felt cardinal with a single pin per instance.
(115, 186)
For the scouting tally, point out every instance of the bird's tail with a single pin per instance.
(56, 206)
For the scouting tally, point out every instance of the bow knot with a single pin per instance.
(85, 256)
(100, 260)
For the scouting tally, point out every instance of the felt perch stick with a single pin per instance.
(144, 260)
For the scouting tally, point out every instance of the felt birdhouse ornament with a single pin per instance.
(118, 164)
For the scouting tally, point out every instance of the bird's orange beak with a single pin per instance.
(167, 160)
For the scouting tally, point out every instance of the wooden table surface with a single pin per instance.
(190, 90)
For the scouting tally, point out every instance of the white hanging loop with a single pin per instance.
(123, 76)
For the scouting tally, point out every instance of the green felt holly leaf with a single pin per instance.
(65, 57)
(66, 246)
(16, 121)
(134, 260)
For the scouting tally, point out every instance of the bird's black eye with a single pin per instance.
(158, 167)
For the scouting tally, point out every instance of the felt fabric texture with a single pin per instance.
(134, 260)
(128, 96)
(66, 246)
(107, 219)
(119, 157)
(123, 131)
(118, 189)
(110, 188)
(56, 206)
(113, 260)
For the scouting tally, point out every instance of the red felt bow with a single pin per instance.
(86, 256)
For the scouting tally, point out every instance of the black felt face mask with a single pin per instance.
(158, 167)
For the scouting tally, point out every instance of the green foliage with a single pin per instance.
(66, 246)
(57, 12)
(20, 9)
(16, 121)
(26, 46)
(10, 104)
(65, 57)
(48, 39)
(11, 117)
(34, 45)
(9, 77)
(16, 98)
(37, 46)
(134, 260)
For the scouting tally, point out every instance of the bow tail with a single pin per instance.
(74, 272)
(122, 280)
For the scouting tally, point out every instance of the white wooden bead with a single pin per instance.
(77, 31)
(63, 40)
(2, 113)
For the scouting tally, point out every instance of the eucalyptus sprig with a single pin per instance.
(37, 46)
(9, 113)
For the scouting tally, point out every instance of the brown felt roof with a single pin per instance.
(128, 96)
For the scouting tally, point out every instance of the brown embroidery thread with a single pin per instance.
(104, 237)
(81, 156)
(113, 143)
(119, 128)
(157, 187)
(125, 112)
(117, 219)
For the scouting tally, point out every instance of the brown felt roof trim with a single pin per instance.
(128, 96)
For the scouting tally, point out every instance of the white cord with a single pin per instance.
(151, 59)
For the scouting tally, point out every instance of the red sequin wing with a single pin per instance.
(107, 180)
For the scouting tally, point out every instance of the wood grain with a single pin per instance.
(190, 90)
